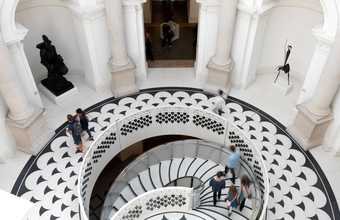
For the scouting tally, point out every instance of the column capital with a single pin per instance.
(88, 13)
(253, 10)
(17, 36)
(209, 3)
(133, 2)
(322, 36)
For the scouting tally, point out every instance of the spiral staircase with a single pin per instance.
(145, 180)
(178, 171)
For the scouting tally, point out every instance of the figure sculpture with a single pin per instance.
(285, 67)
(56, 68)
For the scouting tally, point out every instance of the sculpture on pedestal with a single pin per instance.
(56, 68)
(285, 67)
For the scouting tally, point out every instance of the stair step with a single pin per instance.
(195, 166)
(165, 171)
(154, 171)
(119, 203)
(146, 181)
(176, 162)
(136, 186)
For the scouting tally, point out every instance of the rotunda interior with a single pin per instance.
(170, 98)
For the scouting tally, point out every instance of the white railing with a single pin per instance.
(157, 201)
(164, 120)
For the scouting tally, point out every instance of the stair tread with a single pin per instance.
(194, 166)
(136, 186)
(176, 162)
(146, 181)
(127, 193)
(154, 171)
(185, 165)
(119, 203)
(205, 168)
(221, 211)
(165, 171)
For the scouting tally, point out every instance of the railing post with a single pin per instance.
(196, 194)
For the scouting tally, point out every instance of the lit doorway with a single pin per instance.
(179, 18)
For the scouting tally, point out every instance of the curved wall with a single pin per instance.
(55, 20)
(295, 25)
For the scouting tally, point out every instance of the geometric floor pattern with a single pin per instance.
(299, 189)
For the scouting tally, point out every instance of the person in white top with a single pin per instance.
(218, 102)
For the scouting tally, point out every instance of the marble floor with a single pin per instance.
(298, 188)
(274, 103)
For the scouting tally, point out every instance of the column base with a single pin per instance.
(32, 134)
(124, 80)
(309, 129)
(218, 77)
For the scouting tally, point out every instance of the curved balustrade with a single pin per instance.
(157, 201)
(167, 120)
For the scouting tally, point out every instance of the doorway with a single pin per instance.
(179, 18)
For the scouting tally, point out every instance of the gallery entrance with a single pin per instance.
(171, 32)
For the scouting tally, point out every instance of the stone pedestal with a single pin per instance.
(218, 77)
(309, 129)
(124, 80)
(59, 100)
(33, 134)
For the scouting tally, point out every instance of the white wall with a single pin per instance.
(295, 25)
(56, 22)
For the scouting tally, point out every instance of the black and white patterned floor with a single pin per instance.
(299, 189)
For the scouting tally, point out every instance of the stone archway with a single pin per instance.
(251, 20)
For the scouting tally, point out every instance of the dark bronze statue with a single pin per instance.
(56, 68)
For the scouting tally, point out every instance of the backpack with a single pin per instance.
(77, 128)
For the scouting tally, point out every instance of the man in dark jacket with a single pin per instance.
(217, 183)
(84, 122)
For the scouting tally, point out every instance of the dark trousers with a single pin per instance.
(232, 172)
(217, 195)
(89, 133)
(242, 204)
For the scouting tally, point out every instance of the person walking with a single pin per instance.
(148, 48)
(245, 192)
(217, 183)
(231, 199)
(74, 129)
(232, 162)
(84, 122)
(218, 102)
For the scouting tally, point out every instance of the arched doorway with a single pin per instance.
(175, 47)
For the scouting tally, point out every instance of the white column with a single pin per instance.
(115, 20)
(247, 49)
(221, 63)
(123, 70)
(92, 36)
(226, 25)
(7, 141)
(315, 115)
(134, 29)
(10, 88)
(207, 30)
(23, 70)
(25, 120)
(316, 66)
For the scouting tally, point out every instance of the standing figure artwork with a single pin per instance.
(56, 68)
(285, 67)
